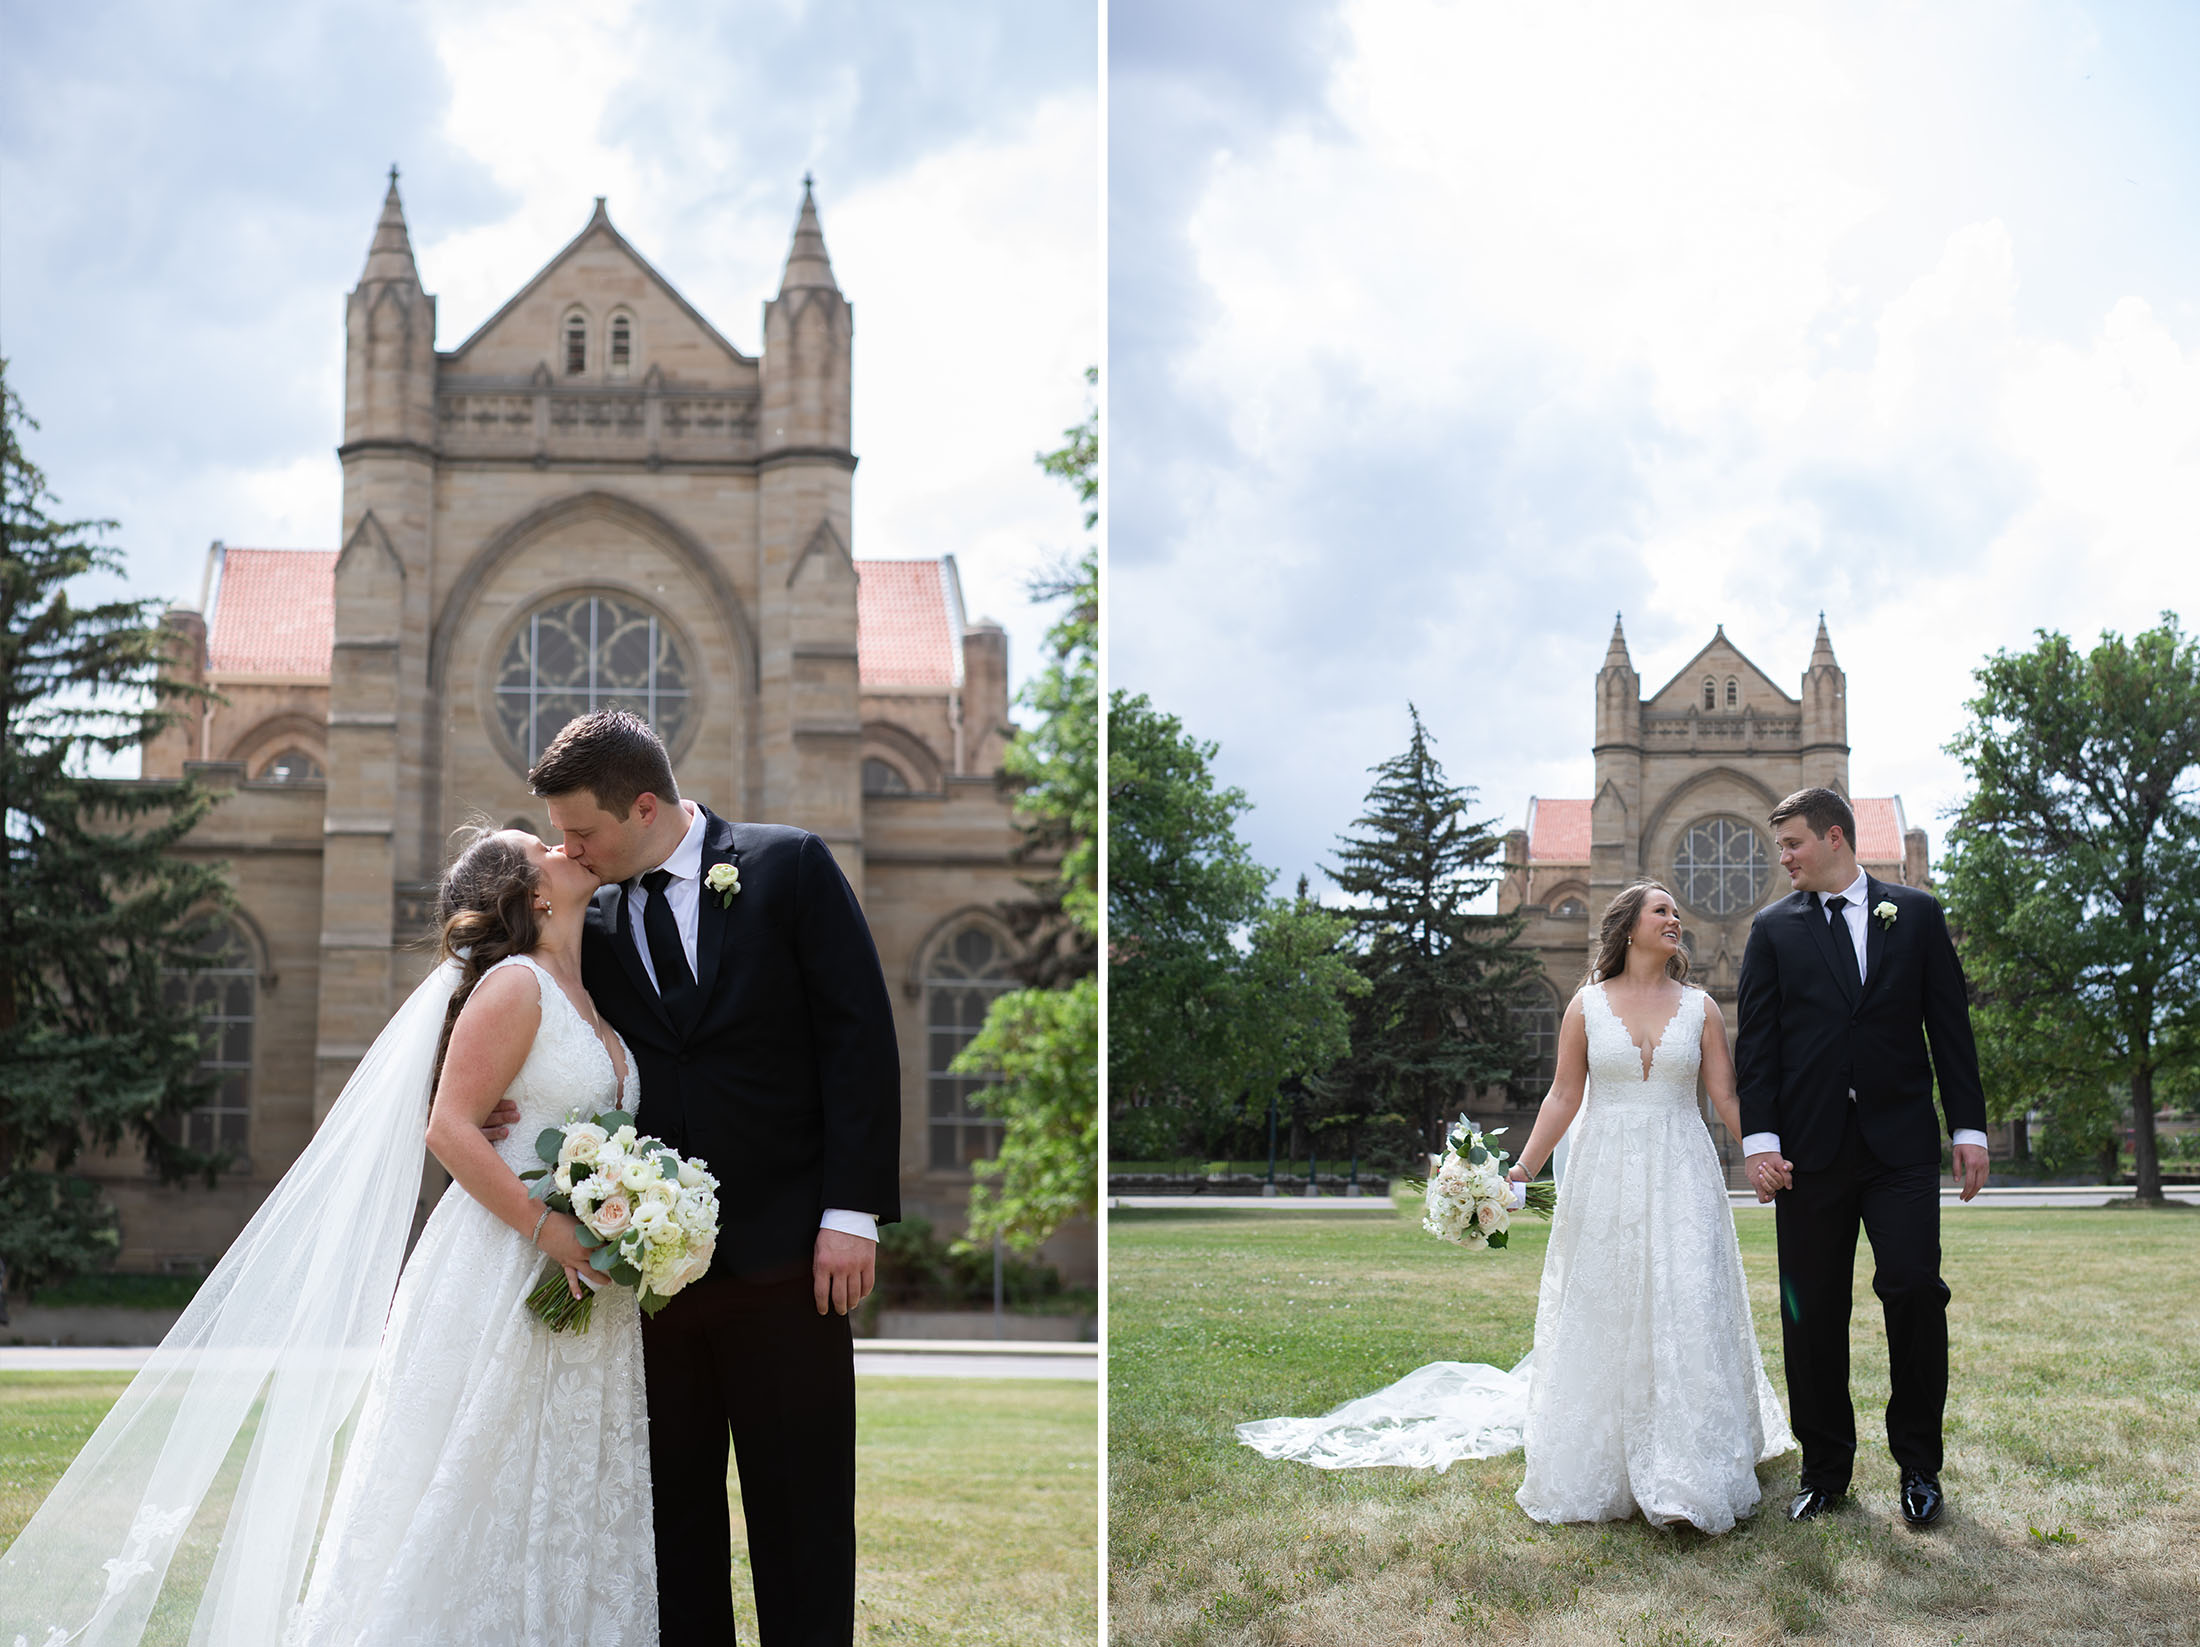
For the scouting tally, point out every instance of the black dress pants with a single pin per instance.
(751, 1359)
(1899, 1209)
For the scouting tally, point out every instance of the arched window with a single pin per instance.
(622, 345)
(965, 974)
(883, 777)
(1710, 693)
(1721, 866)
(293, 766)
(1733, 693)
(576, 654)
(1535, 1017)
(1571, 909)
(576, 345)
(224, 995)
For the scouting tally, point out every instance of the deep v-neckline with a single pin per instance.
(614, 1059)
(1647, 1053)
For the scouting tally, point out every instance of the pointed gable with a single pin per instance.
(597, 275)
(1721, 660)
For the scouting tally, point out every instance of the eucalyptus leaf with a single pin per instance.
(547, 1145)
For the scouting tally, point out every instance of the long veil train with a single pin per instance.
(280, 1339)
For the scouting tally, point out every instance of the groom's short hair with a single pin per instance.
(614, 755)
(1821, 809)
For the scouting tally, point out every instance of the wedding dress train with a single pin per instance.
(1645, 1391)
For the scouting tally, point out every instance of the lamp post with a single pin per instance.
(1269, 1188)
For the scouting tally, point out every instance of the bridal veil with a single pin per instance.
(222, 1447)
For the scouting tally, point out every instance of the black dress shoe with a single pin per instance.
(1812, 1501)
(1921, 1500)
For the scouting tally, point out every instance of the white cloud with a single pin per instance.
(1719, 314)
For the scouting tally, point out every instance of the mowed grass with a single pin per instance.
(977, 1507)
(2073, 1450)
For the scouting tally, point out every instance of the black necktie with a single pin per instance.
(1842, 940)
(675, 983)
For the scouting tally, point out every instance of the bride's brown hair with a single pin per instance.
(1620, 916)
(485, 910)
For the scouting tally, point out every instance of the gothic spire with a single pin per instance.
(807, 264)
(1821, 652)
(1615, 655)
(391, 255)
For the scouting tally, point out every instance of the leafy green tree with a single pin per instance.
(1041, 1044)
(1437, 1022)
(95, 916)
(2073, 883)
(1217, 995)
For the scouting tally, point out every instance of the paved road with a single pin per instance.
(2052, 1195)
(908, 1358)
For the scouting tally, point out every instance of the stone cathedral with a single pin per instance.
(595, 500)
(1683, 781)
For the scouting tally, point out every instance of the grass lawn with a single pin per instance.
(2073, 1461)
(977, 1510)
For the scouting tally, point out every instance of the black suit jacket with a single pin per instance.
(1808, 1035)
(788, 1083)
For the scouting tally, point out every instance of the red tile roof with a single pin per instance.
(908, 624)
(1878, 828)
(1558, 832)
(274, 612)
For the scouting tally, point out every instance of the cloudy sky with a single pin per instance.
(187, 191)
(1439, 332)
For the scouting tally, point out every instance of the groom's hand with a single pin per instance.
(1970, 1169)
(843, 1271)
(1767, 1172)
(500, 1121)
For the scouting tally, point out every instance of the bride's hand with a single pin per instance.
(560, 1240)
(1520, 1175)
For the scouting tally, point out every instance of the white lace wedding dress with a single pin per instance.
(1645, 1391)
(497, 1489)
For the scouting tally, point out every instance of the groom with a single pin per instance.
(1843, 985)
(755, 1009)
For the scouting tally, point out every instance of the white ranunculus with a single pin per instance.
(691, 1175)
(625, 1137)
(638, 1176)
(663, 1194)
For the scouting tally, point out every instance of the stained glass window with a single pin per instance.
(1721, 867)
(582, 653)
(966, 973)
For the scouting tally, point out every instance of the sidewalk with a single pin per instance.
(2030, 1195)
(908, 1358)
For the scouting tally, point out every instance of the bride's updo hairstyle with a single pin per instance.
(485, 909)
(1620, 916)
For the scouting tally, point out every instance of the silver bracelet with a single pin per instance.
(535, 1240)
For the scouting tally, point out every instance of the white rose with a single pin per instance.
(1486, 1215)
(723, 879)
(659, 1193)
(691, 1175)
(612, 1217)
(582, 1143)
(1504, 1220)
(625, 1136)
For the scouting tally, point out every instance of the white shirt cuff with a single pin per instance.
(1969, 1135)
(1761, 1143)
(864, 1224)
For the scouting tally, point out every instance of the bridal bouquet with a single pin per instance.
(1469, 1200)
(648, 1218)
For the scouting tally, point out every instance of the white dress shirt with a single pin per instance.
(684, 897)
(1858, 893)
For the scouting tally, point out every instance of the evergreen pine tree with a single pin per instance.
(97, 1044)
(1437, 1023)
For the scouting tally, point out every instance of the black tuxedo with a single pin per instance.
(786, 1082)
(1839, 1070)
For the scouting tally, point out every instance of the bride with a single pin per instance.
(496, 1486)
(1645, 1392)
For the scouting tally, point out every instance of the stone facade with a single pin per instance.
(593, 498)
(1684, 779)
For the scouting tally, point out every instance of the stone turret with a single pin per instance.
(377, 669)
(810, 727)
(1825, 748)
(1616, 811)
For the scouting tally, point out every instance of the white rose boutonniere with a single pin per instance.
(725, 880)
(1885, 911)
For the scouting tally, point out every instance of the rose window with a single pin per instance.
(1722, 867)
(582, 653)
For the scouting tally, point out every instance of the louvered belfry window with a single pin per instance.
(576, 346)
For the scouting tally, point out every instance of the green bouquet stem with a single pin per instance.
(553, 1302)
